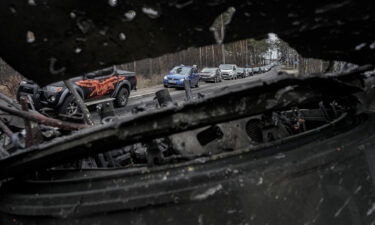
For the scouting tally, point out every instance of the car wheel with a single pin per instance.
(166, 86)
(69, 107)
(122, 97)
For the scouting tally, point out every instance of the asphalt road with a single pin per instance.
(146, 100)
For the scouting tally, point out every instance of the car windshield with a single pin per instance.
(226, 67)
(208, 70)
(181, 70)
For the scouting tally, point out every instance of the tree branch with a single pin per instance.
(39, 118)
(5, 129)
(9, 101)
(80, 102)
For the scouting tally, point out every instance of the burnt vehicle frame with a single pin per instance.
(192, 169)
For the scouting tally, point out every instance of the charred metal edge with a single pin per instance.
(67, 193)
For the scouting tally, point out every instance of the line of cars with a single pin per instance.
(178, 75)
(112, 84)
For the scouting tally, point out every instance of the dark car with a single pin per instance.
(256, 70)
(179, 74)
(210, 74)
(106, 84)
(250, 71)
(241, 73)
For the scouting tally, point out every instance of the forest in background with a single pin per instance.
(149, 71)
(244, 53)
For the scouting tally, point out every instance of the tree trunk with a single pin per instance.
(222, 37)
(213, 55)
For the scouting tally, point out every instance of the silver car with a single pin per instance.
(228, 71)
(210, 75)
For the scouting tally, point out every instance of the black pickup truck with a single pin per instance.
(107, 84)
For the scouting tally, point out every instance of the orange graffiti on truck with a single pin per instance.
(100, 88)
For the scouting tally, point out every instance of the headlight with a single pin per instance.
(165, 77)
(54, 89)
(23, 82)
(52, 99)
(182, 79)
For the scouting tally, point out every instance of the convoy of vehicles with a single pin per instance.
(115, 85)
(109, 84)
(179, 74)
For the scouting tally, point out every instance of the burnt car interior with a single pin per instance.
(299, 147)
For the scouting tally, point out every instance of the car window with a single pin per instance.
(181, 70)
(226, 67)
(104, 72)
(206, 70)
